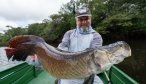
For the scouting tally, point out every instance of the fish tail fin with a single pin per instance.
(24, 45)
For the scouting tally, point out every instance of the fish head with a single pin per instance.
(106, 56)
(118, 51)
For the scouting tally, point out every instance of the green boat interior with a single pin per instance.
(22, 73)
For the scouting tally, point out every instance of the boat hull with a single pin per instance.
(26, 74)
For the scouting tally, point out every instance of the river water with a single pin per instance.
(3, 58)
(134, 66)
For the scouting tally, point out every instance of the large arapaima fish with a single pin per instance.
(67, 65)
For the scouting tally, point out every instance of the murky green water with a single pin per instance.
(135, 66)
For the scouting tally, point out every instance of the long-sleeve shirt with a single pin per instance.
(75, 40)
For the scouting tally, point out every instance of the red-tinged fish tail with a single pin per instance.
(14, 42)
(23, 45)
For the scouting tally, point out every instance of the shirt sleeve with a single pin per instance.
(64, 45)
(97, 41)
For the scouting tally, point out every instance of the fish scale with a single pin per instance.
(62, 68)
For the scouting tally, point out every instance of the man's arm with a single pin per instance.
(65, 41)
(97, 41)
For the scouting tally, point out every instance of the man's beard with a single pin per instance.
(84, 29)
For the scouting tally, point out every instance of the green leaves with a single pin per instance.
(107, 15)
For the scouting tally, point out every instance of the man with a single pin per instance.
(80, 38)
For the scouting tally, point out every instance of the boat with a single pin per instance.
(22, 73)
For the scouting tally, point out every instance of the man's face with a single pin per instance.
(83, 22)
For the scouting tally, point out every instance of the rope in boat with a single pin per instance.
(107, 77)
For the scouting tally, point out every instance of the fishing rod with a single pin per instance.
(74, 5)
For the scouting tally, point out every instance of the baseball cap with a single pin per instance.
(82, 11)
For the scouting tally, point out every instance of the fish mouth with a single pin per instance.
(126, 47)
(124, 44)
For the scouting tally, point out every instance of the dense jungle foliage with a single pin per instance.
(114, 18)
